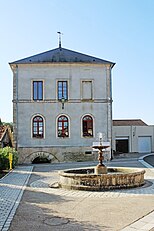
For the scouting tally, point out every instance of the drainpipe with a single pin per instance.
(109, 106)
(17, 107)
(15, 103)
(111, 112)
(153, 138)
(132, 137)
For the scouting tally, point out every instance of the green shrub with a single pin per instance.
(4, 158)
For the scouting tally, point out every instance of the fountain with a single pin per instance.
(100, 168)
(100, 177)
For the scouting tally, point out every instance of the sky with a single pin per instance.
(121, 31)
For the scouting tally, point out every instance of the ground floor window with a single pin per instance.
(38, 127)
(63, 126)
(87, 126)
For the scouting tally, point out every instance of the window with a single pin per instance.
(38, 127)
(62, 90)
(87, 90)
(87, 126)
(37, 90)
(63, 129)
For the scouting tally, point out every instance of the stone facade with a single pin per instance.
(25, 108)
(56, 154)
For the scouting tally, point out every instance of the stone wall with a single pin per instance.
(56, 154)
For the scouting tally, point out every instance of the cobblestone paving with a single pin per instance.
(11, 190)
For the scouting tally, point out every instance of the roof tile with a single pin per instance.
(61, 55)
(2, 130)
(132, 122)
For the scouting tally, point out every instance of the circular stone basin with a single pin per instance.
(116, 178)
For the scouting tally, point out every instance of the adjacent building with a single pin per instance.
(61, 100)
(132, 136)
(5, 136)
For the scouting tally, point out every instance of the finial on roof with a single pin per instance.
(59, 38)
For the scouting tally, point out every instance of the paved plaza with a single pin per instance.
(28, 203)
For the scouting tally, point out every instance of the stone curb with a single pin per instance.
(141, 160)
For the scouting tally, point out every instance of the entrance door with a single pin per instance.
(122, 145)
(144, 144)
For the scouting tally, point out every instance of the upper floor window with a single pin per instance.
(62, 90)
(87, 126)
(37, 90)
(63, 126)
(87, 90)
(38, 127)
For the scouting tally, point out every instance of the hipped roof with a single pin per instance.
(62, 55)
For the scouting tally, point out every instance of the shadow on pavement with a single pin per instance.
(37, 211)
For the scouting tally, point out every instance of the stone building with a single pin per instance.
(61, 100)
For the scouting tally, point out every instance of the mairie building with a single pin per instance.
(61, 100)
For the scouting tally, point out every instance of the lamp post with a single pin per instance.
(63, 100)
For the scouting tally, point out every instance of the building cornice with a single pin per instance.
(68, 101)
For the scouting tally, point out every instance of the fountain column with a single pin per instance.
(100, 168)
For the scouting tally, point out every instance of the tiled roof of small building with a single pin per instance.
(3, 129)
(61, 55)
(132, 122)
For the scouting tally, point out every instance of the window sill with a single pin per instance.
(38, 138)
(87, 100)
(87, 137)
(37, 100)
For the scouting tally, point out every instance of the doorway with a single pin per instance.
(122, 145)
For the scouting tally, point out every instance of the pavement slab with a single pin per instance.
(11, 189)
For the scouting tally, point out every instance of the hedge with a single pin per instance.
(4, 158)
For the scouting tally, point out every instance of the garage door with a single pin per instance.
(122, 145)
(144, 144)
